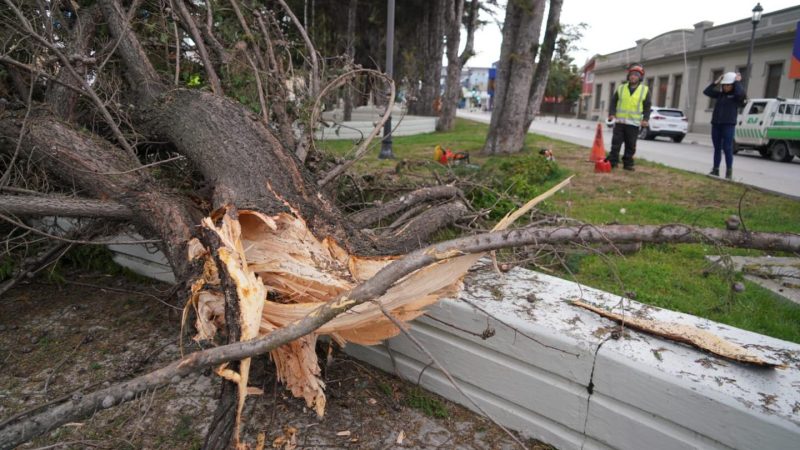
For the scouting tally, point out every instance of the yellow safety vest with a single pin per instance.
(630, 106)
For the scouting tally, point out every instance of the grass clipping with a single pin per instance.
(279, 254)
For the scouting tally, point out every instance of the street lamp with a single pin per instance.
(386, 143)
(756, 18)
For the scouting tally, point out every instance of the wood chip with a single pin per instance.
(344, 433)
(401, 436)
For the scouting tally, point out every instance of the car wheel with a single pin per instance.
(643, 133)
(779, 151)
(678, 139)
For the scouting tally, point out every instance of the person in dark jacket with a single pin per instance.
(629, 109)
(729, 92)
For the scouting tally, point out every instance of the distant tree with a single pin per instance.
(455, 61)
(542, 73)
(521, 31)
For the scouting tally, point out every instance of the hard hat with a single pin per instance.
(728, 78)
(635, 67)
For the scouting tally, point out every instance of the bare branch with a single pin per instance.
(82, 80)
(312, 52)
(188, 21)
(19, 205)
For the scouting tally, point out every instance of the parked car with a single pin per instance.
(771, 126)
(669, 122)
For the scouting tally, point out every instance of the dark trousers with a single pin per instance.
(722, 137)
(623, 134)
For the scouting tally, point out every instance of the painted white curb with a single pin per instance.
(646, 392)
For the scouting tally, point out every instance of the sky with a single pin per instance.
(617, 24)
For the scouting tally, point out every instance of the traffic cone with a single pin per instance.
(598, 149)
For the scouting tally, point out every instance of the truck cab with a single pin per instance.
(771, 126)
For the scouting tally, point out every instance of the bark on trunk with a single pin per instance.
(542, 73)
(431, 49)
(455, 9)
(514, 74)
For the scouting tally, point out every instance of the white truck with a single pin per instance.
(771, 126)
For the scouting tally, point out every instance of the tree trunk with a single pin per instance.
(514, 75)
(430, 50)
(455, 9)
(542, 73)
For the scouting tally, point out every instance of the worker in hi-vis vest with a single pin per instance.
(629, 110)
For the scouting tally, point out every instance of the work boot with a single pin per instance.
(729, 173)
(714, 171)
(629, 168)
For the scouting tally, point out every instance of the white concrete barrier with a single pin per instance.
(554, 372)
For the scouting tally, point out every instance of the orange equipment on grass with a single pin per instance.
(447, 156)
(598, 149)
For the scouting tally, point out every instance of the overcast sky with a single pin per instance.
(617, 24)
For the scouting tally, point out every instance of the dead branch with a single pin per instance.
(374, 215)
(71, 69)
(312, 52)
(23, 205)
(188, 22)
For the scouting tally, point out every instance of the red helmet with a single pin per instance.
(636, 68)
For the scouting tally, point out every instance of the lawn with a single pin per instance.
(675, 277)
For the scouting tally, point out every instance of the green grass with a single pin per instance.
(425, 402)
(669, 276)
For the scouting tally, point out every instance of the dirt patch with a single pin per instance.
(59, 341)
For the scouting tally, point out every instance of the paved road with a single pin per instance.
(693, 154)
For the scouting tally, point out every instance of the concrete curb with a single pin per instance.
(590, 390)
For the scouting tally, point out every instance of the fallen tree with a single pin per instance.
(264, 256)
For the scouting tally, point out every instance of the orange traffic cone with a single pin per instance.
(598, 149)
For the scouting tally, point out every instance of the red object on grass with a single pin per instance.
(602, 166)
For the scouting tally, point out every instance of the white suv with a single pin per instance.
(668, 122)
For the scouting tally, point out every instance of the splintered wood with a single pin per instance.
(687, 334)
(279, 254)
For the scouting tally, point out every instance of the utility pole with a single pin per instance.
(386, 143)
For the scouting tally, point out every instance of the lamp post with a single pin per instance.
(756, 18)
(386, 143)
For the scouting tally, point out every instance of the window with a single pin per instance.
(783, 107)
(650, 82)
(663, 83)
(676, 91)
(796, 89)
(774, 72)
(757, 108)
(598, 94)
(669, 112)
(716, 73)
(611, 88)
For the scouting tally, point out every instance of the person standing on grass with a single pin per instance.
(729, 93)
(629, 110)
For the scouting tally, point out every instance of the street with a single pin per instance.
(694, 154)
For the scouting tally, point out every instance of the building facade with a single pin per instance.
(679, 64)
